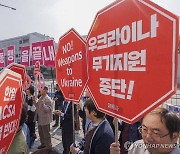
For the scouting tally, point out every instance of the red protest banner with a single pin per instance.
(37, 54)
(1, 57)
(48, 53)
(11, 101)
(10, 54)
(25, 56)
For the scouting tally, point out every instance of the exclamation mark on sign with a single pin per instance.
(130, 89)
(71, 45)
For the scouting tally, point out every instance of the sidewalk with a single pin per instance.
(56, 139)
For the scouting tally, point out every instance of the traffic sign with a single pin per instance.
(11, 101)
(71, 65)
(132, 58)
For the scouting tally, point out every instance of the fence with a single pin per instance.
(51, 87)
(172, 104)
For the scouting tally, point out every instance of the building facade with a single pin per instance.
(20, 41)
(25, 40)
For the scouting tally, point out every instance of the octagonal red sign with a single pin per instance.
(71, 65)
(10, 107)
(18, 68)
(132, 58)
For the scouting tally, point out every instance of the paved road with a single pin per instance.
(56, 139)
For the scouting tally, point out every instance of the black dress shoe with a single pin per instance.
(41, 146)
(55, 125)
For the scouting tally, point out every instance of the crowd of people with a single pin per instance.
(158, 132)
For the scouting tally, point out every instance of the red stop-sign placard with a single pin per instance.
(10, 107)
(132, 58)
(18, 68)
(71, 65)
(37, 67)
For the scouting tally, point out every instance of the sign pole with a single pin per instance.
(52, 79)
(73, 122)
(116, 129)
(36, 92)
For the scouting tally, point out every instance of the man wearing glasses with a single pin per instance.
(160, 133)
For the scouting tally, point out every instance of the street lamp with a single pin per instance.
(8, 7)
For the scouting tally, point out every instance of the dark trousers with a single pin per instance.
(31, 126)
(67, 138)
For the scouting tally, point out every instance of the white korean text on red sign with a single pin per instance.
(132, 58)
(11, 101)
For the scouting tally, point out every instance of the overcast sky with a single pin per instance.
(55, 17)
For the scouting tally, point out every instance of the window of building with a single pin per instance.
(26, 40)
(20, 41)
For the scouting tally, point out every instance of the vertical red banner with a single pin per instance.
(25, 56)
(37, 54)
(48, 53)
(10, 54)
(1, 57)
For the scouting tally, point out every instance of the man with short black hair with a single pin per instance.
(99, 135)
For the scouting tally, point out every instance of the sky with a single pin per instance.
(56, 17)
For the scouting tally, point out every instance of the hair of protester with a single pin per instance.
(31, 90)
(170, 119)
(89, 104)
(45, 88)
(46, 151)
(23, 115)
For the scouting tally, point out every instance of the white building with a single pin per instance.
(24, 40)
(20, 41)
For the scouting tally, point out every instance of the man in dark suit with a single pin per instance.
(99, 135)
(67, 125)
(58, 98)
